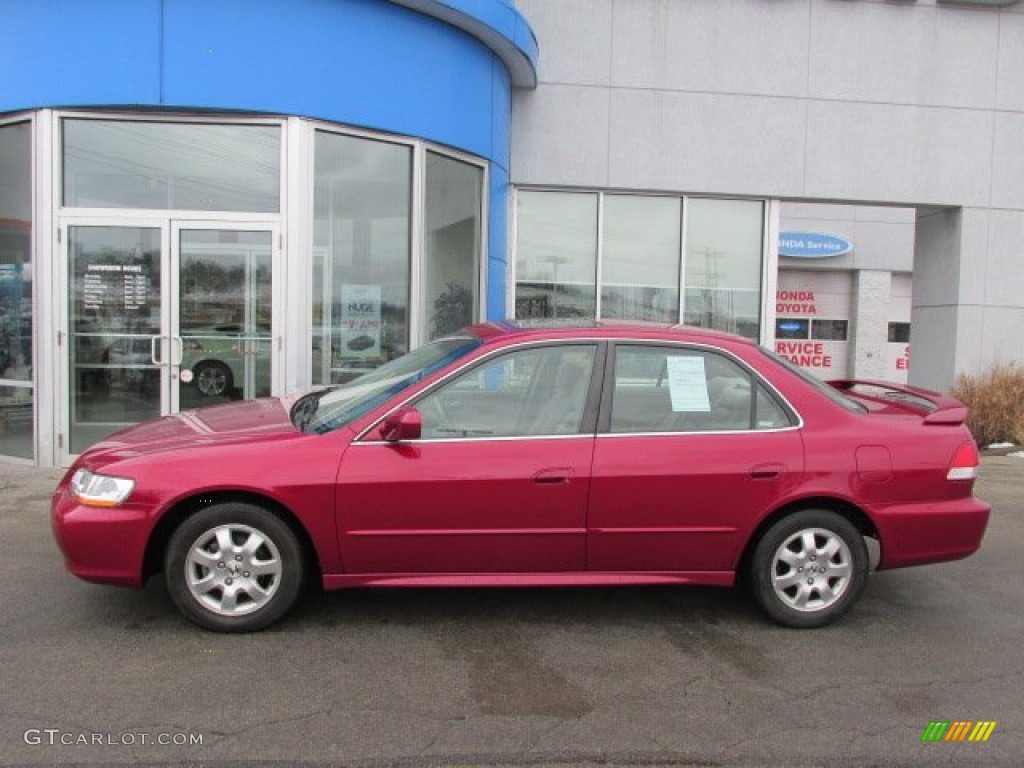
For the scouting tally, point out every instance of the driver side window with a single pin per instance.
(530, 392)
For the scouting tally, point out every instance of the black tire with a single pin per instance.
(809, 569)
(234, 567)
(213, 379)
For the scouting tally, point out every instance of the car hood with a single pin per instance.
(264, 420)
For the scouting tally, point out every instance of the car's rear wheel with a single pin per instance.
(234, 567)
(213, 378)
(809, 568)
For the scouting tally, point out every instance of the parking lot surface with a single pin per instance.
(96, 675)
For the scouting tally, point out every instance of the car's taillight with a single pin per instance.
(964, 465)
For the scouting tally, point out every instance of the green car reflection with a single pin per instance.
(226, 362)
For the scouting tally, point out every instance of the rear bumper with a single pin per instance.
(101, 545)
(917, 534)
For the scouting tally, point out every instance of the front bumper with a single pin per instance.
(105, 545)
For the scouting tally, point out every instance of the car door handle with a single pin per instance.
(766, 471)
(553, 476)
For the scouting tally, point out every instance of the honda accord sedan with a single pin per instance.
(612, 454)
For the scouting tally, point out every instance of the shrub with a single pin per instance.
(996, 402)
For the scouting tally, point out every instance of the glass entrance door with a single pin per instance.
(162, 317)
(224, 314)
(115, 330)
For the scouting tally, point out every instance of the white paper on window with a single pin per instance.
(688, 385)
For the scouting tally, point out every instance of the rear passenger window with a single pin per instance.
(674, 389)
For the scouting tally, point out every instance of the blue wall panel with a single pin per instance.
(370, 63)
(361, 62)
(74, 52)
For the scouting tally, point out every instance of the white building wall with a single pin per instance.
(917, 104)
(871, 312)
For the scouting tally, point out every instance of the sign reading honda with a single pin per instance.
(812, 245)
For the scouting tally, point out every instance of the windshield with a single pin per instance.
(325, 410)
(827, 390)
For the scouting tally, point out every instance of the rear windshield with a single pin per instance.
(828, 391)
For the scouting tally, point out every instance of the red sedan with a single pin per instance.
(612, 454)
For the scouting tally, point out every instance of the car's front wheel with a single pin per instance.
(234, 567)
(809, 568)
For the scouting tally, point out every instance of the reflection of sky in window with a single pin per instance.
(641, 240)
(171, 165)
(362, 206)
(557, 237)
(724, 242)
(740, 303)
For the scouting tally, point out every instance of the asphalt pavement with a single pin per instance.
(93, 675)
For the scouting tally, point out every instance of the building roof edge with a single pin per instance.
(496, 24)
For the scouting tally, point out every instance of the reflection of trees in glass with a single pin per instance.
(215, 293)
(15, 304)
(453, 309)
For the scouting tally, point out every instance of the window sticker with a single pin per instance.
(688, 385)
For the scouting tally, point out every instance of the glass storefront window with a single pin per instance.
(724, 245)
(567, 241)
(453, 214)
(362, 212)
(171, 166)
(640, 263)
(16, 393)
(556, 255)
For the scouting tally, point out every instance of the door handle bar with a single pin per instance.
(181, 350)
(152, 349)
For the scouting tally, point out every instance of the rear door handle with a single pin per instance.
(766, 471)
(553, 476)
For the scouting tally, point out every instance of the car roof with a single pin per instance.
(526, 330)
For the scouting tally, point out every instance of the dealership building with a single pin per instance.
(205, 200)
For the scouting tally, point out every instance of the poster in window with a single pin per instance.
(360, 323)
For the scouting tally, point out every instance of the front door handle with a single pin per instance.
(553, 476)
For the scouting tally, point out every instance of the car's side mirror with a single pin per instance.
(404, 424)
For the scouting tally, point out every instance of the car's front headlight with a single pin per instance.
(95, 490)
